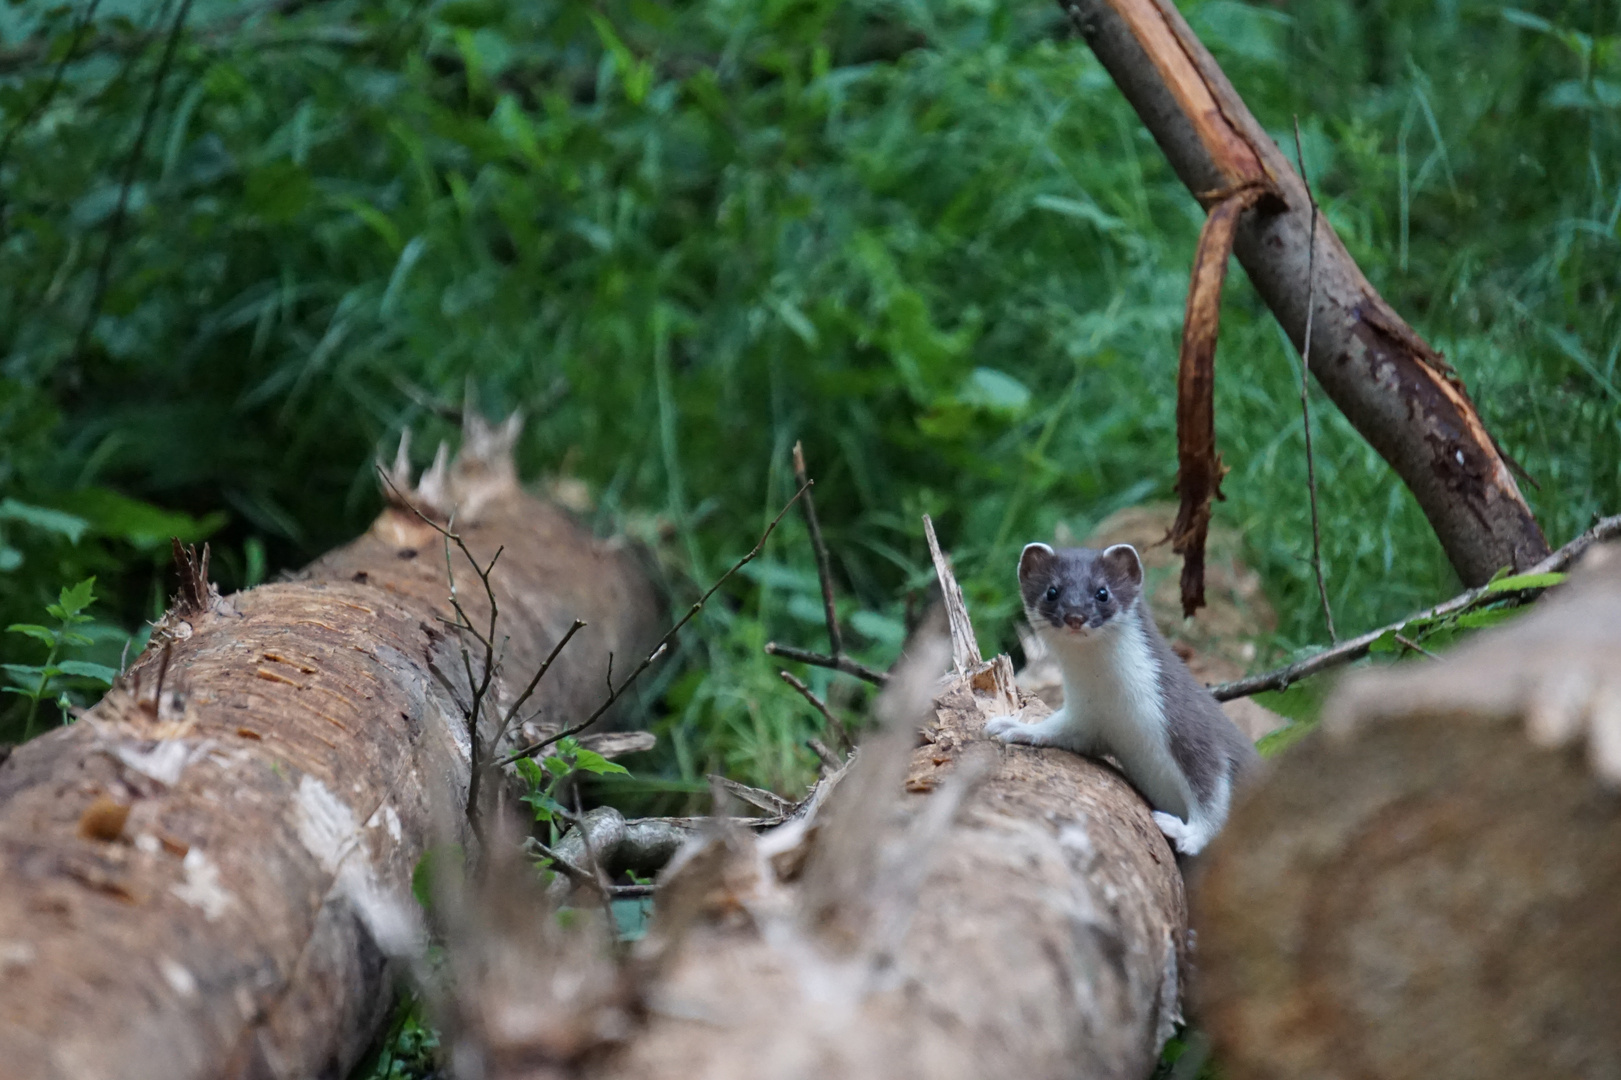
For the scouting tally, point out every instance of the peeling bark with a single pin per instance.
(1199, 473)
(1396, 390)
(278, 787)
(1426, 887)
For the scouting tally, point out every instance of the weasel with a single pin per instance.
(1126, 693)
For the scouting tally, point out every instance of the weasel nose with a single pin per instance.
(1074, 622)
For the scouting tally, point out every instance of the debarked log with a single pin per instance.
(205, 874)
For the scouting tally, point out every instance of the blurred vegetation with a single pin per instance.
(242, 246)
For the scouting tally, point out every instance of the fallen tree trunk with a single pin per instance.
(203, 876)
(1396, 390)
(944, 908)
(1426, 887)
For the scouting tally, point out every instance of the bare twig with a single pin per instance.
(115, 225)
(1305, 398)
(760, 798)
(834, 724)
(615, 692)
(835, 643)
(837, 663)
(1413, 646)
(1357, 647)
(506, 721)
(580, 876)
(827, 757)
(835, 658)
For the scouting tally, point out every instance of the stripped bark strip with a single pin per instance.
(1396, 390)
(1200, 469)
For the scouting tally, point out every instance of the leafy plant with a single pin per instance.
(409, 1050)
(545, 779)
(54, 678)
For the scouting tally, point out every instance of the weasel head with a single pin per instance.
(1073, 594)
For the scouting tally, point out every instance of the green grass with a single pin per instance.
(932, 241)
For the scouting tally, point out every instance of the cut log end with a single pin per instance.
(1426, 886)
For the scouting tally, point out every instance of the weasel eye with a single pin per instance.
(1102, 595)
(1052, 592)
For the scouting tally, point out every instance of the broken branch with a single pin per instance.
(1357, 647)
(1393, 387)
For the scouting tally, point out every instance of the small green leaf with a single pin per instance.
(545, 807)
(530, 771)
(75, 599)
(39, 633)
(1276, 742)
(592, 762)
(1480, 620)
(1386, 642)
(557, 766)
(1519, 582)
(26, 674)
(84, 669)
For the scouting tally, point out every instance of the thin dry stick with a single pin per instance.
(582, 877)
(1305, 399)
(837, 663)
(834, 724)
(614, 693)
(828, 758)
(835, 658)
(1413, 646)
(835, 642)
(1357, 647)
(506, 721)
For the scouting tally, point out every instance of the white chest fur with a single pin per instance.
(1113, 705)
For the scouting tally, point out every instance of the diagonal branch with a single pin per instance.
(1356, 648)
(1393, 387)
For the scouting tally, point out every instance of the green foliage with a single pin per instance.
(544, 779)
(409, 1051)
(932, 241)
(57, 677)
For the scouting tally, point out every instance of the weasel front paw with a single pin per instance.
(1184, 837)
(1008, 728)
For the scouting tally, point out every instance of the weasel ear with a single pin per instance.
(1121, 559)
(1036, 559)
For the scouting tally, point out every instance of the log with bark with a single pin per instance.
(1393, 387)
(944, 907)
(1427, 886)
(205, 874)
